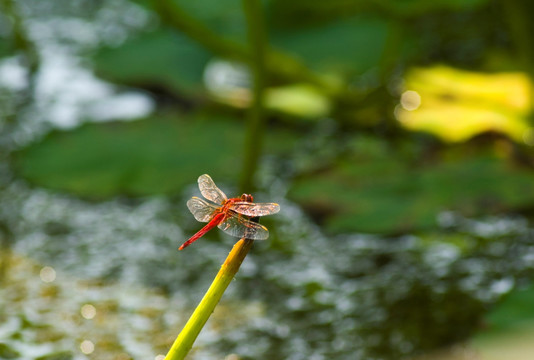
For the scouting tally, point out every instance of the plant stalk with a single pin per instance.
(256, 117)
(184, 342)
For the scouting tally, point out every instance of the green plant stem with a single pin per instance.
(184, 342)
(256, 116)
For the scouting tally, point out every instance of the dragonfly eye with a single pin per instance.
(247, 198)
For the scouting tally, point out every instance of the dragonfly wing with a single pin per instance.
(209, 190)
(253, 210)
(202, 210)
(239, 226)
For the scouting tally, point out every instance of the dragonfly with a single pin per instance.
(230, 215)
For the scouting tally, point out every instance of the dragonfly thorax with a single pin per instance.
(244, 198)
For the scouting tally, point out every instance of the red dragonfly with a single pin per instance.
(229, 215)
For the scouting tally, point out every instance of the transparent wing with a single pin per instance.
(202, 210)
(239, 226)
(253, 210)
(209, 190)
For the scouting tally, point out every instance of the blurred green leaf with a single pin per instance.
(226, 17)
(514, 311)
(299, 12)
(375, 191)
(508, 328)
(342, 47)
(152, 156)
(408, 7)
(160, 59)
(157, 155)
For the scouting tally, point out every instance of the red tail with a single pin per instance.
(217, 219)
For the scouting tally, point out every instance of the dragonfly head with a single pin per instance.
(247, 198)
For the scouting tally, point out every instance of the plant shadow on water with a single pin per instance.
(352, 296)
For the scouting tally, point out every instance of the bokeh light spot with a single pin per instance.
(47, 274)
(87, 347)
(232, 357)
(88, 311)
(410, 100)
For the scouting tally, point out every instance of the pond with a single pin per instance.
(313, 296)
(387, 246)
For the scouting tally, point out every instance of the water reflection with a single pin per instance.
(64, 90)
(313, 296)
